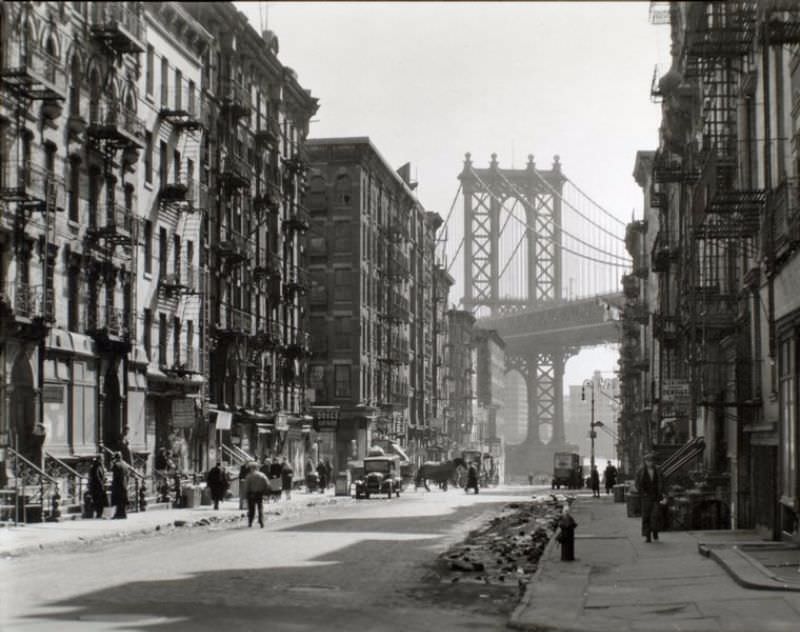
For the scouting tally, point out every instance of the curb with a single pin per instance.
(514, 622)
(175, 524)
(744, 570)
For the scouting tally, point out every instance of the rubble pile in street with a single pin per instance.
(506, 550)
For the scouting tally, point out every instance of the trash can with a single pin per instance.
(190, 496)
(634, 504)
(619, 493)
(343, 483)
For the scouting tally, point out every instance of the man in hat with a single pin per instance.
(217, 482)
(257, 485)
(651, 492)
(119, 486)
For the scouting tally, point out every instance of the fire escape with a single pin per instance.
(725, 216)
(183, 196)
(394, 313)
(31, 75)
(296, 285)
(113, 127)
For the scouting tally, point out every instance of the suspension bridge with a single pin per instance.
(540, 261)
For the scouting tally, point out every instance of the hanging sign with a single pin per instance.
(224, 420)
(326, 418)
(183, 413)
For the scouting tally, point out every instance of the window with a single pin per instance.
(176, 247)
(163, 165)
(788, 416)
(190, 348)
(150, 68)
(162, 339)
(164, 81)
(342, 379)
(73, 299)
(178, 95)
(148, 246)
(162, 252)
(148, 157)
(342, 288)
(147, 338)
(343, 241)
(176, 341)
(74, 190)
(191, 97)
(342, 333)
(75, 87)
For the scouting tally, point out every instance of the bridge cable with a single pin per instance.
(564, 232)
(564, 200)
(568, 203)
(579, 190)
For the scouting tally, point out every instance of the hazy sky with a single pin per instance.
(429, 81)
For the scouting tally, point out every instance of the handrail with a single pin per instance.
(131, 469)
(683, 455)
(234, 456)
(31, 464)
(65, 466)
(244, 454)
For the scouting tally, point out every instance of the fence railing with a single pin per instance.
(37, 492)
(106, 116)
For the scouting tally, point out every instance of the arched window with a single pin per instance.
(75, 87)
(94, 96)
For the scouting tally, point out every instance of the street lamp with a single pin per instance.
(594, 382)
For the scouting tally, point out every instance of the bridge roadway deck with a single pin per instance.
(575, 323)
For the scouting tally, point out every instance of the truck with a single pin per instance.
(567, 470)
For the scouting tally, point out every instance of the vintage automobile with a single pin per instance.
(380, 475)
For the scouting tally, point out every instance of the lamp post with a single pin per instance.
(595, 382)
(590, 383)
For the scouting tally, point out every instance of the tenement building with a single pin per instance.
(371, 338)
(151, 279)
(714, 308)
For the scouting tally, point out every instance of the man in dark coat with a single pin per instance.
(119, 486)
(328, 470)
(472, 478)
(97, 487)
(651, 492)
(566, 537)
(322, 475)
(217, 482)
(594, 482)
(610, 477)
(287, 474)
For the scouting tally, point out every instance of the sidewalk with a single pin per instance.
(689, 581)
(32, 538)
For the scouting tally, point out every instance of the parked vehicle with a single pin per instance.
(567, 470)
(380, 475)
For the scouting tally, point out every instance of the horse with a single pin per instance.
(444, 473)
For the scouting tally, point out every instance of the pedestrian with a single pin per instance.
(217, 482)
(610, 477)
(310, 476)
(594, 482)
(257, 485)
(566, 535)
(265, 465)
(328, 471)
(243, 472)
(322, 475)
(287, 473)
(97, 487)
(651, 493)
(119, 486)
(530, 478)
(125, 446)
(472, 478)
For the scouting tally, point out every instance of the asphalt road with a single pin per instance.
(367, 566)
